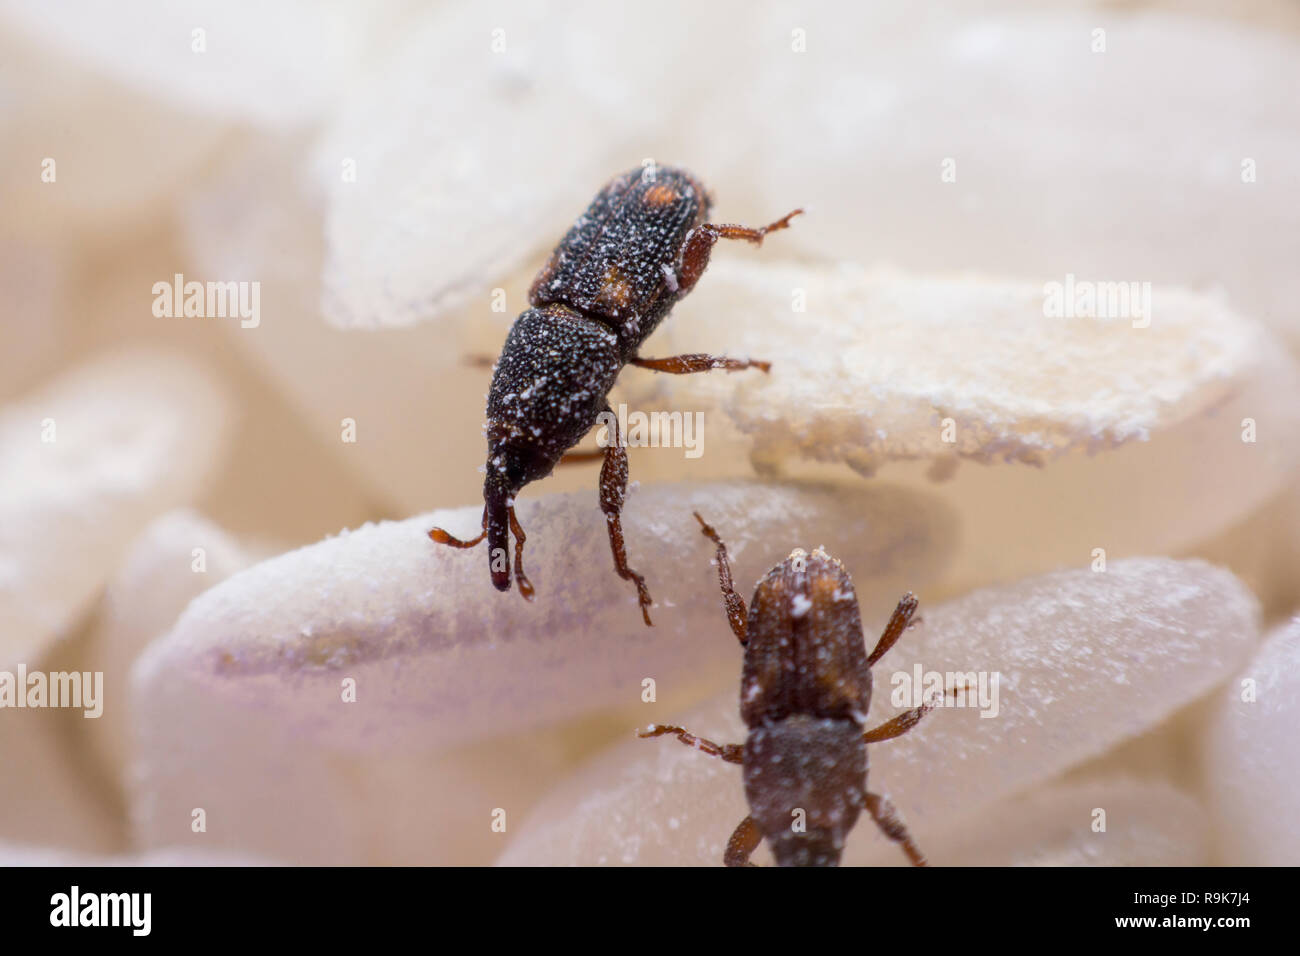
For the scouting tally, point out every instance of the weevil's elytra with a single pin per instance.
(805, 653)
(804, 695)
(641, 246)
(612, 262)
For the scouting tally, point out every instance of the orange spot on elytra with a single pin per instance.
(661, 195)
(615, 289)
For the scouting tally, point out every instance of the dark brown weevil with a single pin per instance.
(804, 696)
(641, 246)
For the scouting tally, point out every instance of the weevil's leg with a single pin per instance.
(734, 603)
(904, 722)
(892, 826)
(697, 362)
(898, 623)
(748, 233)
(695, 257)
(585, 455)
(479, 360)
(731, 753)
(744, 841)
(578, 457)
(442, 537)
(525, 586)
(898, 725)
(613, 488)
(594, 454)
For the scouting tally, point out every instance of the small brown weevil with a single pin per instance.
(641, 246)
(804, 695)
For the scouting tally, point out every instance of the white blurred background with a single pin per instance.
(378, 169)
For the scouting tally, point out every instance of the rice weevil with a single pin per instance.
(640, 247)
(804, 695)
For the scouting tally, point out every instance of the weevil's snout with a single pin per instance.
(510, 466)
(506, 474)
(497, 497)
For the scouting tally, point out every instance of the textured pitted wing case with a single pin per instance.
(618, 263)
(805, 653)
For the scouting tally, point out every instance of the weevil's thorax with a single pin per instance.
(805, 652)
(549, 385)
(619, 263)
(806, 783)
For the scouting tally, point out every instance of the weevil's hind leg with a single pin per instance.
(697, 362)
(442, 537)
(898, 623)
(525, 586)
(734, 603)
(744, 841)
(699, 244)
(731, 753)
(892, 826)
(613, 489)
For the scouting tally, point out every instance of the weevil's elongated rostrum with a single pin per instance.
(804, 696)
(641, 246)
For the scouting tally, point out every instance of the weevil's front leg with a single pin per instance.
(731, 753)
(613, 489)
(697, 362)
(700, 242)
(442, 537)
(734, 603)
(892, 826)
(899, 621)
(744, 841)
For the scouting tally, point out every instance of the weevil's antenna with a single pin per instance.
(442, 537)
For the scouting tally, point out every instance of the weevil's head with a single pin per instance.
(512, 464)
